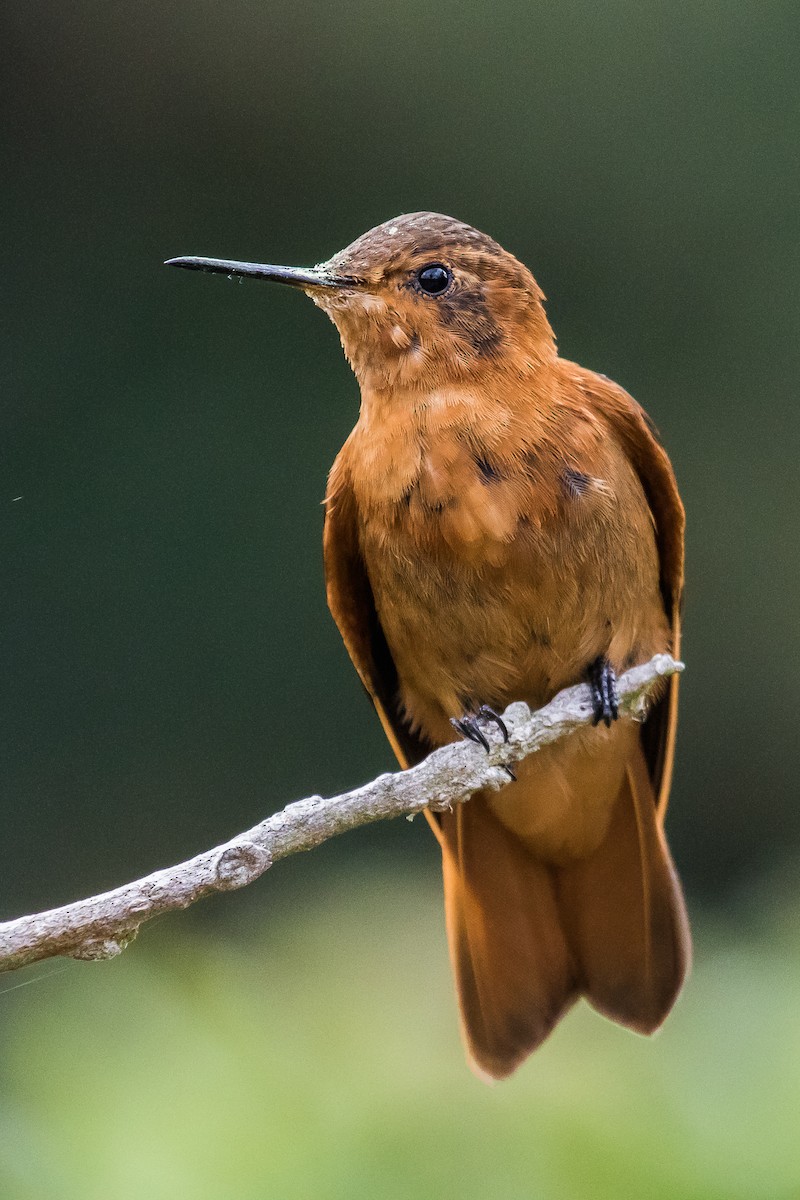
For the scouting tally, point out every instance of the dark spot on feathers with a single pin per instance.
(438, 506)
(463, 302)
(540, 639)
(485, 341)
(490, 473)
(466, 312)
(632, 658)
(575, 483)
(405, 498)
(531, 461)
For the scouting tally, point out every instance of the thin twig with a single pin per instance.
(101, 926)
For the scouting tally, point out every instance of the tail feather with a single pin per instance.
(624, 914)
(513, 970)
(527, 937)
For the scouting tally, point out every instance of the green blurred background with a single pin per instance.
(165, 442)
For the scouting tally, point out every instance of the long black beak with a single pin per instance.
(302, 277)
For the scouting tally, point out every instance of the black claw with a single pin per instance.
(468, 727)
(490, 715)
(605, 698)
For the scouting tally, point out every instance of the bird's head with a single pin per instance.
(421, 301)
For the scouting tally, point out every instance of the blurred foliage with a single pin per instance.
(316, 1054)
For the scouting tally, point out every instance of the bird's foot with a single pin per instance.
(469, 727)
(489, 714)
(605, 698)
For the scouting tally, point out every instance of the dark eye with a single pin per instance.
(433, 279)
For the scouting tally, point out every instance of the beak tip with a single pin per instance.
(188, 263)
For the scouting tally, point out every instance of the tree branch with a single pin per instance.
(101, 926)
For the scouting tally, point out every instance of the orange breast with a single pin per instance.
(500, 578)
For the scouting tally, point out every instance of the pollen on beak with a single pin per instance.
(300, 277)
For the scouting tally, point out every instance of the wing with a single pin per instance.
(352, 606)
(639, 438)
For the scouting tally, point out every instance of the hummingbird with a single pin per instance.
(502, 523)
